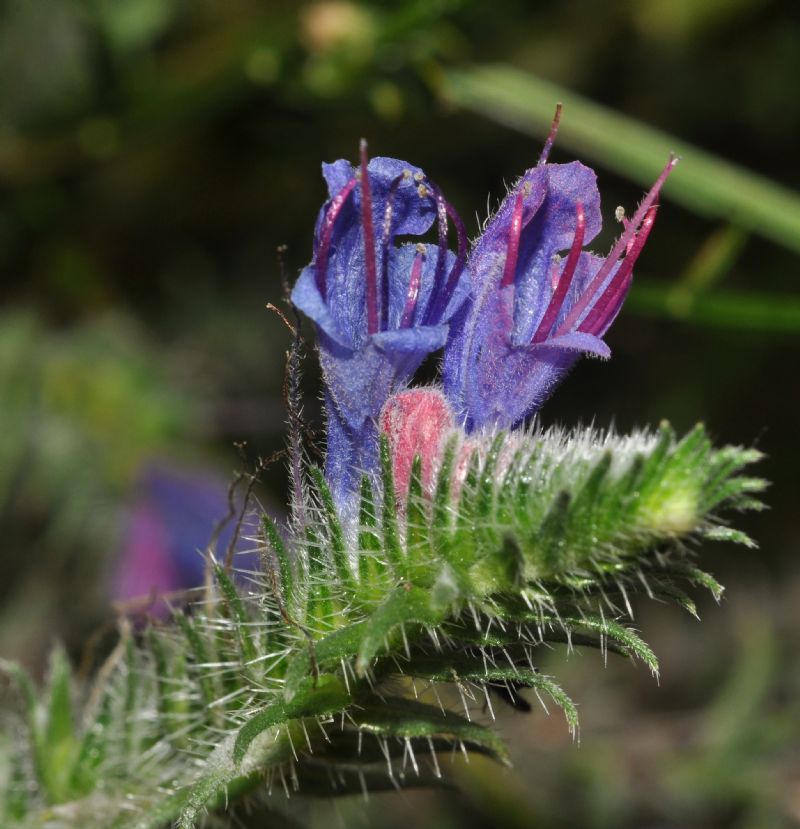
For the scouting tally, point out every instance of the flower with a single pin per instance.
(379, 308)
(417, 422)
(167, 533)
(533, 312)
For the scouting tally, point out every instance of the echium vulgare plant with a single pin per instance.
(421, 570)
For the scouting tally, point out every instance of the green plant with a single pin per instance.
(331, 671)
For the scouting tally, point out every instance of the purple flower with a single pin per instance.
(167, 534)
(534, 312)
(379, 307)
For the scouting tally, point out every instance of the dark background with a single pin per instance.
(153, 156)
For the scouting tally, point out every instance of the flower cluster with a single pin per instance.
(380, 308)
(512, 317)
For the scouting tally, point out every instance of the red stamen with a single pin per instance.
(369, 243)
(512, 246)
(413, 287)
(610, 300)
(560, 293)
(620, 246)
(551, 137)
(321, 263)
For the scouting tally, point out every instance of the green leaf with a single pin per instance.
(328, 697)
(391, 534)
(702, 182)
(335, 534)
(331, 649)
(401, 717)
(59, 741)
(93, 749)
(406, 605)
(418, 536)
(372, 565)
(239, 617)
(285, 565)
(198, 668)
(458, 667)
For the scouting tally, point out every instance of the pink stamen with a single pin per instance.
(369, 243)
(413, 288)
(512, 246)
(619, 248)
(551, 137)
(613, 295)
(321, 264)
(560, 293)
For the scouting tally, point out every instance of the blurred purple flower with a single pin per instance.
(533, 313)
(167, 534)
(380, 308)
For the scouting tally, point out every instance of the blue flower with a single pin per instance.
(379, 307)
(534, 312)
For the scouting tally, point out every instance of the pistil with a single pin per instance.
(551, 137)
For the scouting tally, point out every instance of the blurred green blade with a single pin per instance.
(701, 182)
(749, 310)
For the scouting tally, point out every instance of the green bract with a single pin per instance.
(304, 680)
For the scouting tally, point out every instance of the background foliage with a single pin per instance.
(153, 155)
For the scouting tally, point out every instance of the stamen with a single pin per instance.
(564, 283)
(554, 272)
(369, 243)
(610, 300)
(459, 264)
(388, 217)
(321, 262)
(512, 245)
(413, 287)
(441, 256)
(439, 300)
(551, 137)
(620, 246)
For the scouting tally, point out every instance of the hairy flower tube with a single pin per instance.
(379, 307)
(533, 311)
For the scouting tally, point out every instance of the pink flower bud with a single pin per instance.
(417, 422)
